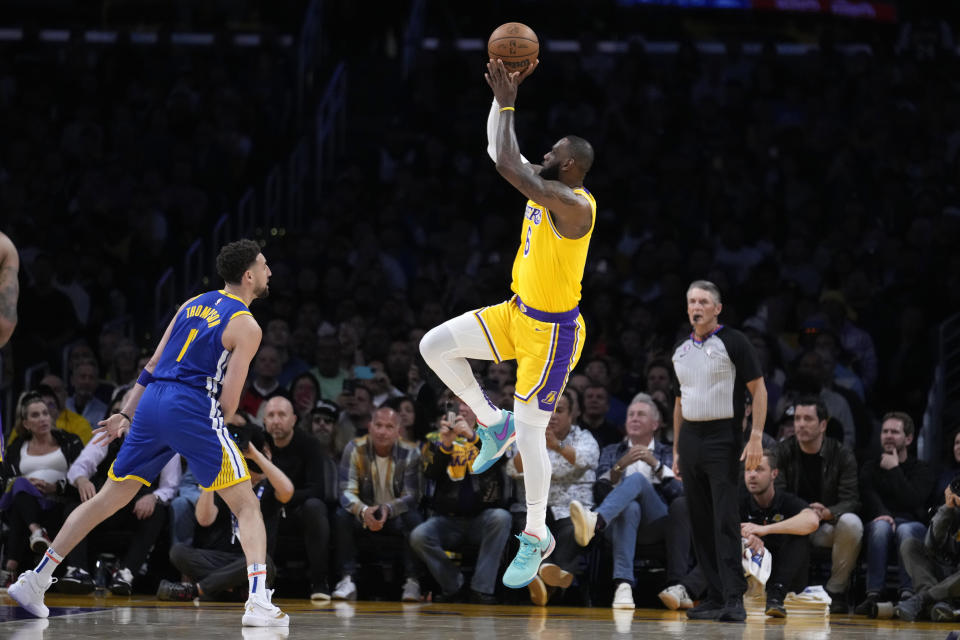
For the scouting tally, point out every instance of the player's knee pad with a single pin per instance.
(529, 414)
(437, 342)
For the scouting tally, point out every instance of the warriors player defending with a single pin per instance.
(183, 397)
(540, 325)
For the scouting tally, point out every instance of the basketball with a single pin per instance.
(514, 43)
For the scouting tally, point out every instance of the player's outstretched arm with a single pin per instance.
(242, 339)
(493, 119)
(9, 287)
(572, 212)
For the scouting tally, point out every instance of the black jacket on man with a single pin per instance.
(838, 483)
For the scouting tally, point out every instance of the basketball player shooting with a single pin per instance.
(540, 326)
(180, 403)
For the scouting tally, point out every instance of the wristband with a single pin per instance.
(145, 378)
(129, 421)
(502, 109)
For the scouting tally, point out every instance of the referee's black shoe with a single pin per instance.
(707, 610)
(733, 610)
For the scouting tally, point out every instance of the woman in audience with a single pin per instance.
(35, 478)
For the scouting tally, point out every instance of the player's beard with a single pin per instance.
(262, 293)
(550, 173)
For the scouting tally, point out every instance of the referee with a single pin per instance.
(715, 365)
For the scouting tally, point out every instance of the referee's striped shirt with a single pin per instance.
(713, 374)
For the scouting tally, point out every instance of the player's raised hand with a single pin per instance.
(116, 426)
(503, 83)
(526, 72)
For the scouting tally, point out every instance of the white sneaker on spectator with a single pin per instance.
(260, 612)
(39, 541)
(623, 597)
(28, 591)
(345, 590)
(676, 597)
(411, 591)
(584, 523)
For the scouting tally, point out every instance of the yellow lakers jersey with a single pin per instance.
(548, 268)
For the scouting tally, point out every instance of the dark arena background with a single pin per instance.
(802, 155)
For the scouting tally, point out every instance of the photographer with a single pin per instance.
(216, 563)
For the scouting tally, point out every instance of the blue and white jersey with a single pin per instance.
(194, 354)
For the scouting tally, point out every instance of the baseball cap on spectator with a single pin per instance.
(326, 407)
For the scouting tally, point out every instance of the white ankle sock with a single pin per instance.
(257, 577)
(48, 563)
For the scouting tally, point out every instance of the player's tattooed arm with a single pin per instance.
(9, 287)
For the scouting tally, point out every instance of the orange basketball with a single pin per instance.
(514, 43)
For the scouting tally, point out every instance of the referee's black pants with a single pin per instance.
(709, 463)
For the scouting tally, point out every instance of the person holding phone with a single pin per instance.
(380, 488)
(466, 508)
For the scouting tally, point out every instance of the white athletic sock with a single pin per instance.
(532, 445)
(48, 563)
(257, 577)
(448, 359)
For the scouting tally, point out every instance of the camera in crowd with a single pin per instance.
(247, 433)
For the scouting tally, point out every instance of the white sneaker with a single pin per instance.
(676, 597)
(260, 612)
(623, 597)
(28, 591)
(345, 590)
(411, 591)
(584, 523)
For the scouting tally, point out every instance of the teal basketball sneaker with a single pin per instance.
(525, 565)
(494, 440)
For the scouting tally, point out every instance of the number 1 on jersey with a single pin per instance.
(190, 337)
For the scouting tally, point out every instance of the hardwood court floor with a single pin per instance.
(141, 618)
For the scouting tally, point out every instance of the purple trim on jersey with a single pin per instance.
(564, 317)
(693, 336)
(568, 339)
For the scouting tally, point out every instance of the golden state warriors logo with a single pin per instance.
(551, 397)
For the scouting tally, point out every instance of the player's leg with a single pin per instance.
(481, 335)
(258, 611)
(544, 362)
(478, 335)
(246, 509)
(30, 587)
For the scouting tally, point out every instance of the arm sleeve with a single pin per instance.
(85, 466)
(792, 505)
(872, 504)
(411, 486)
(608, 457)
(350, 496)
(493, 120)
(743, 355)
(169, 480)
(848, 493)
(312, 486)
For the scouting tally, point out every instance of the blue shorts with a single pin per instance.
(173, 418)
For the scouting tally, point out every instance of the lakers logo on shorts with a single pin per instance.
(551, 398)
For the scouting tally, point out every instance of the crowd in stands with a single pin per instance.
(818, 192)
